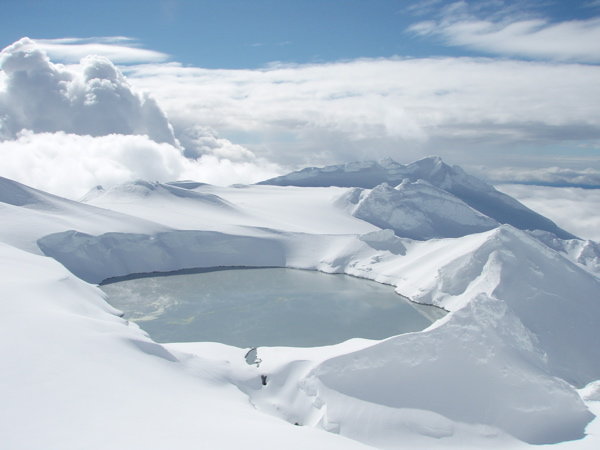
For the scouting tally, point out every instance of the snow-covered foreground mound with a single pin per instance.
(499, 370)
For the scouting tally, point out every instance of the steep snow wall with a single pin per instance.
(95, 258)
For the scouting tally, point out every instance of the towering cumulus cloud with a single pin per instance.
(45, 97)
(68, 128)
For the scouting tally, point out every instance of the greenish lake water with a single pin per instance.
(266, 307)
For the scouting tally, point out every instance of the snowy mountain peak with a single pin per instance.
(93, 193)
(368, 174)
(474, 192)
(503, 362)
(388, 163)
(442, 175)
(429, 162)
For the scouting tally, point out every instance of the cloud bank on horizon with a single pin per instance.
(532, 109)
(573, 209)
(467, 110)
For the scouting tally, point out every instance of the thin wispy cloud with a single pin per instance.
(515, 33)
(422, 7)
(119, 49)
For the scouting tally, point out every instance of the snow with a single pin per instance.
(434, 372)
(501, 370)
(233, 209)
(79, 376)
(29, 214)
(584, 253)
(514, 363)
(474, 192)
(419, 210)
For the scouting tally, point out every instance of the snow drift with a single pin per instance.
(476, 368)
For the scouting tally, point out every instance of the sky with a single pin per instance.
(237, 91)
(242, 34)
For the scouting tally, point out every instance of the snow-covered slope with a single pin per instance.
(188, 205)
(418, 210)
(28, 214)
(75, 375)
(140, 189)
(585, 253)
(529, 312)
(499, 370)
(474, 192)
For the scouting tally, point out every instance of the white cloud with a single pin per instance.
(424, 7)
(573, 209)
(462, 108)
(119, 49)
(90, 98)
(515, 35)
(70, 165)
(468, 110)
(550, 176)
(66, 129)
(97, 100)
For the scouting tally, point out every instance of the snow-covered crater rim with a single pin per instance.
(445, 272)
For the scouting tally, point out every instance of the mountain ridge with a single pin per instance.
(476, 193)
